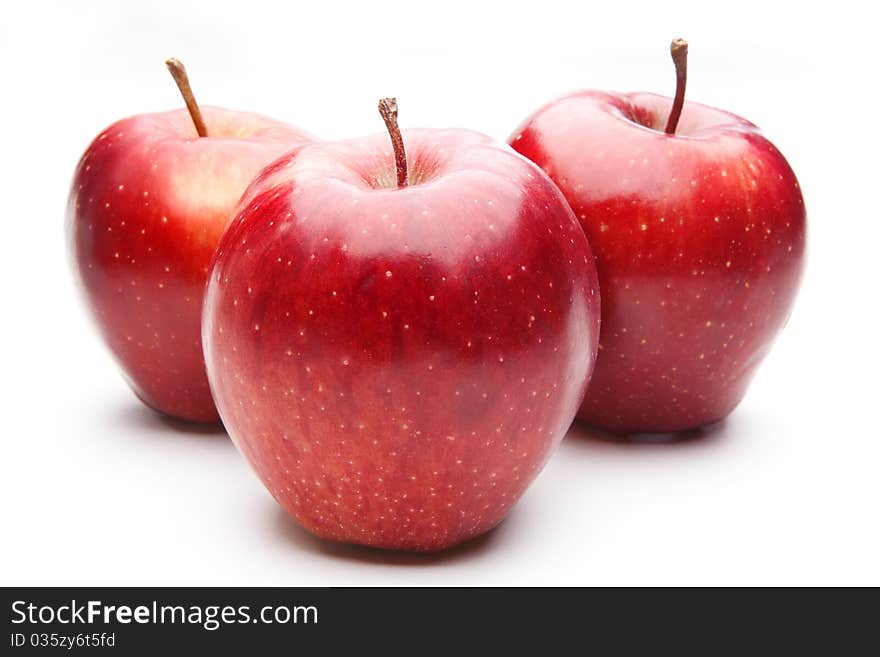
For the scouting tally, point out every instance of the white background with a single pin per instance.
(95, 489)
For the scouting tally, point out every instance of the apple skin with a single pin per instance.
(397, 365)
(148, 204)
(699, 240)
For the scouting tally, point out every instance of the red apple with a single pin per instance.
(699, 242)
(397, 354)
(149, 201)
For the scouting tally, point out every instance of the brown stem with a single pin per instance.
(178, 72)
(679, 50)
(388, 110)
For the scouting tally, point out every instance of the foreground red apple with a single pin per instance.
(398, 349)
(699, 242)
(149, 201)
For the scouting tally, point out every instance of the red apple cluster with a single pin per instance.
(397, 332)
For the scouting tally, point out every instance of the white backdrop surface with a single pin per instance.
(95, 489)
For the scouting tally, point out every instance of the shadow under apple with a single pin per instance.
(288, 530)
(710, 433)
(138, 416)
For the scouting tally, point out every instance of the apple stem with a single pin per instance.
(679, 51)
(388, 110)
(178, 72)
